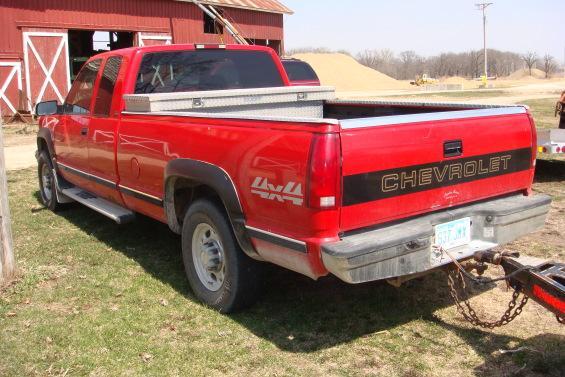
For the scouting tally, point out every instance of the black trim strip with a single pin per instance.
(141, 196)
(90, 177)
(278, 240)
(148, 198)
(377, 185)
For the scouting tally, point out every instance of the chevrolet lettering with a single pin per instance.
(412, 179)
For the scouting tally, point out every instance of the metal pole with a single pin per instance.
(485, 41)
(483, 7)
(233, 31)
(228, 26)
(7, 261)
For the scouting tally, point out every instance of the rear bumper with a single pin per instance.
(405, 248)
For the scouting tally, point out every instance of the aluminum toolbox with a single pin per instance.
(300, 101)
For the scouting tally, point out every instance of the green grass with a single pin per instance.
(543, 111)
(94, 298)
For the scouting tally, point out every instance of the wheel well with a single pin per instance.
(182, 191)
(42, 145)
(186, 191)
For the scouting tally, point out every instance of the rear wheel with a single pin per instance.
(47, 185)
(219, 272)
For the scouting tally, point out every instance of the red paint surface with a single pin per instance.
(550, 300)
(305, 83)
(387, 147)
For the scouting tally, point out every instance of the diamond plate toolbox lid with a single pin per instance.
(187, 101)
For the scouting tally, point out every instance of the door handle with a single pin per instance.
(452, 148)
(84, 131)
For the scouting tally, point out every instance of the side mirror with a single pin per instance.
(46, 108)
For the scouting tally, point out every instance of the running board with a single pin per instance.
(117, 213)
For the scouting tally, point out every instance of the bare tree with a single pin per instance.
(410, 63)
(382, 60)
(475, 63)
(407, 64)
(368, 58)
(549, 65)
(530, 58)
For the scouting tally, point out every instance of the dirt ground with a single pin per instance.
(514, 91)
(19, 145)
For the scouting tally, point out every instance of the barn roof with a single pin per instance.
(270, 6)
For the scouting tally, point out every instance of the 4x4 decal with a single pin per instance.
(291, 192)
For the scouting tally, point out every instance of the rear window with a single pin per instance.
(186, 71)
(299, 71)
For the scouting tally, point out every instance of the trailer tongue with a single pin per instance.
(534, 278)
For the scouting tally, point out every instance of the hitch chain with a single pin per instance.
(467, 311)
(456, 277)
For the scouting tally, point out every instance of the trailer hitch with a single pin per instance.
(540, 280)
(544, 283)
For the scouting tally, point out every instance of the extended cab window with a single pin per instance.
(185, 71)
(299, 71)
(80, 96)
(106, 88)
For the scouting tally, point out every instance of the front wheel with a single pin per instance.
(219, 272)
(47, 185)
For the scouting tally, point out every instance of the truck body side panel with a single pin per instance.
(267, 161)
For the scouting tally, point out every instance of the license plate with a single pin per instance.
(454, 233)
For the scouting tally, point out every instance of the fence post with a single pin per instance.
(7, 261)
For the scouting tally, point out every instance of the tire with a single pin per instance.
(220, 274)
(47, 185)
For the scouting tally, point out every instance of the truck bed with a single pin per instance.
(301, 103)
(392, 140)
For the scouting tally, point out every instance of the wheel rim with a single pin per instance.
(208, 257)
(46, 183)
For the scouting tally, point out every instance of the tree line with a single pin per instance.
(408, 64)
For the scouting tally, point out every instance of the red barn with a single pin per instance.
(45, 42)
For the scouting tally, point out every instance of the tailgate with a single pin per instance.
(400, 166)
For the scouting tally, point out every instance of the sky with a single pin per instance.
(427, 27)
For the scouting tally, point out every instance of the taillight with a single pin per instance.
(324, 181)
(534, 138)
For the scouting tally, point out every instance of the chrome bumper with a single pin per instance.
(406, 249)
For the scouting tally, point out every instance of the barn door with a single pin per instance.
(46, 58)
(10, 87)
(153, 39)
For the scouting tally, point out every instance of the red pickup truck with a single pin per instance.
(363, 190)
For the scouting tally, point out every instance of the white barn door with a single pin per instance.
(10, 87)
(46, 59)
